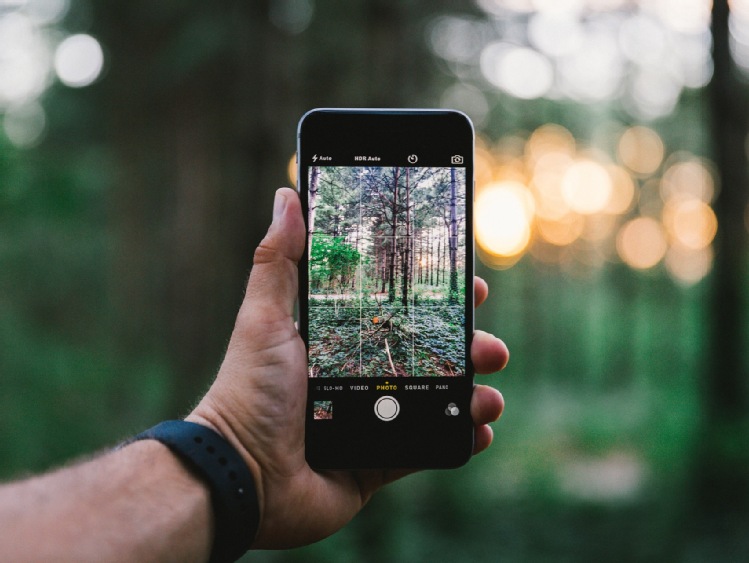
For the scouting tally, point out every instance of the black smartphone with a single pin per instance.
(386, 287)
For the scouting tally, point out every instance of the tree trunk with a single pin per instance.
(394, 232)
(439, 260)
(383, 269)
(721, 484)
(314, 180)
(406, 268)
(453, 239)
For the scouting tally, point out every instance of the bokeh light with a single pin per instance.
(563, 203)
(556, 35)
(622, 191)
(31, 54)
(78, 60)
(24, 60)
(600, 227)
(641, 243)
(594, 71)
(640, 56)
(563, 231)
(688, 267)
(641, 150)
(521, 72)
(549, 138)
(291, 170)
(684, 16)
(548, 174)
(24, 124)
(690, 222)
(455, 38)
(586, 187)
(688, 175)
(504, 211)
(46, 12)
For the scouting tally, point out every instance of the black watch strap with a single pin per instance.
(211, 457)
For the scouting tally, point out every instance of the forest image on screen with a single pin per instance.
(387, 265)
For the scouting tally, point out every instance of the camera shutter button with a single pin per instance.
(386, 408)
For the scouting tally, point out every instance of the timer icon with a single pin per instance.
(412, 158)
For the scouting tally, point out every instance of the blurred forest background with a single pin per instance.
(140, 147)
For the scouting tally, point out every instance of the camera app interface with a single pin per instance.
(387, 265)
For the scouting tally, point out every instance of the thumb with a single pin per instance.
(272, 288)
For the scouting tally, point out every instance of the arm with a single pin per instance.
(138, 503)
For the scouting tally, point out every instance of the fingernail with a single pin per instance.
(279, 204)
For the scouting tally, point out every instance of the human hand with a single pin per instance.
(257, 401)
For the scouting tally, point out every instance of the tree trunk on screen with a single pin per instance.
(406, 267)
(393, 240)
(453, 239)
(313, 185)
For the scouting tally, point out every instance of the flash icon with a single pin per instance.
(314, 158)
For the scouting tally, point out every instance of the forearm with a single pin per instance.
(139, 503)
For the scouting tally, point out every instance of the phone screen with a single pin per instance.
(386, 299)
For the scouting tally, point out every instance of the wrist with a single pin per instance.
(207, 416)
(233, 492)
(190, 523)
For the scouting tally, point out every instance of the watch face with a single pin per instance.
(386, 292)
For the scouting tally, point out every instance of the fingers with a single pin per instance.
(487, 405)
(272, 288)
(482, 438)
(480, 290)
(488, 353)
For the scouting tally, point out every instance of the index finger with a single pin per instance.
(480, 290)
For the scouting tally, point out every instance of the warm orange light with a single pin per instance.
(483, 166)
(565, 205)
(690, 222)
(291, 169)
(549, 138)
(586, 187)
(548, 172)
(510, 170)
(641, 150)
(623, 191)
(641, 243)
(599, 227)
(562, 231)
(688, 177)
(504, 212)
(689, 266)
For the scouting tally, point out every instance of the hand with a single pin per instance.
(258, 399)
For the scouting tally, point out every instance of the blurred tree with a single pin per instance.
(722, 483)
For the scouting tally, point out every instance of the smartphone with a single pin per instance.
(386, 287)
